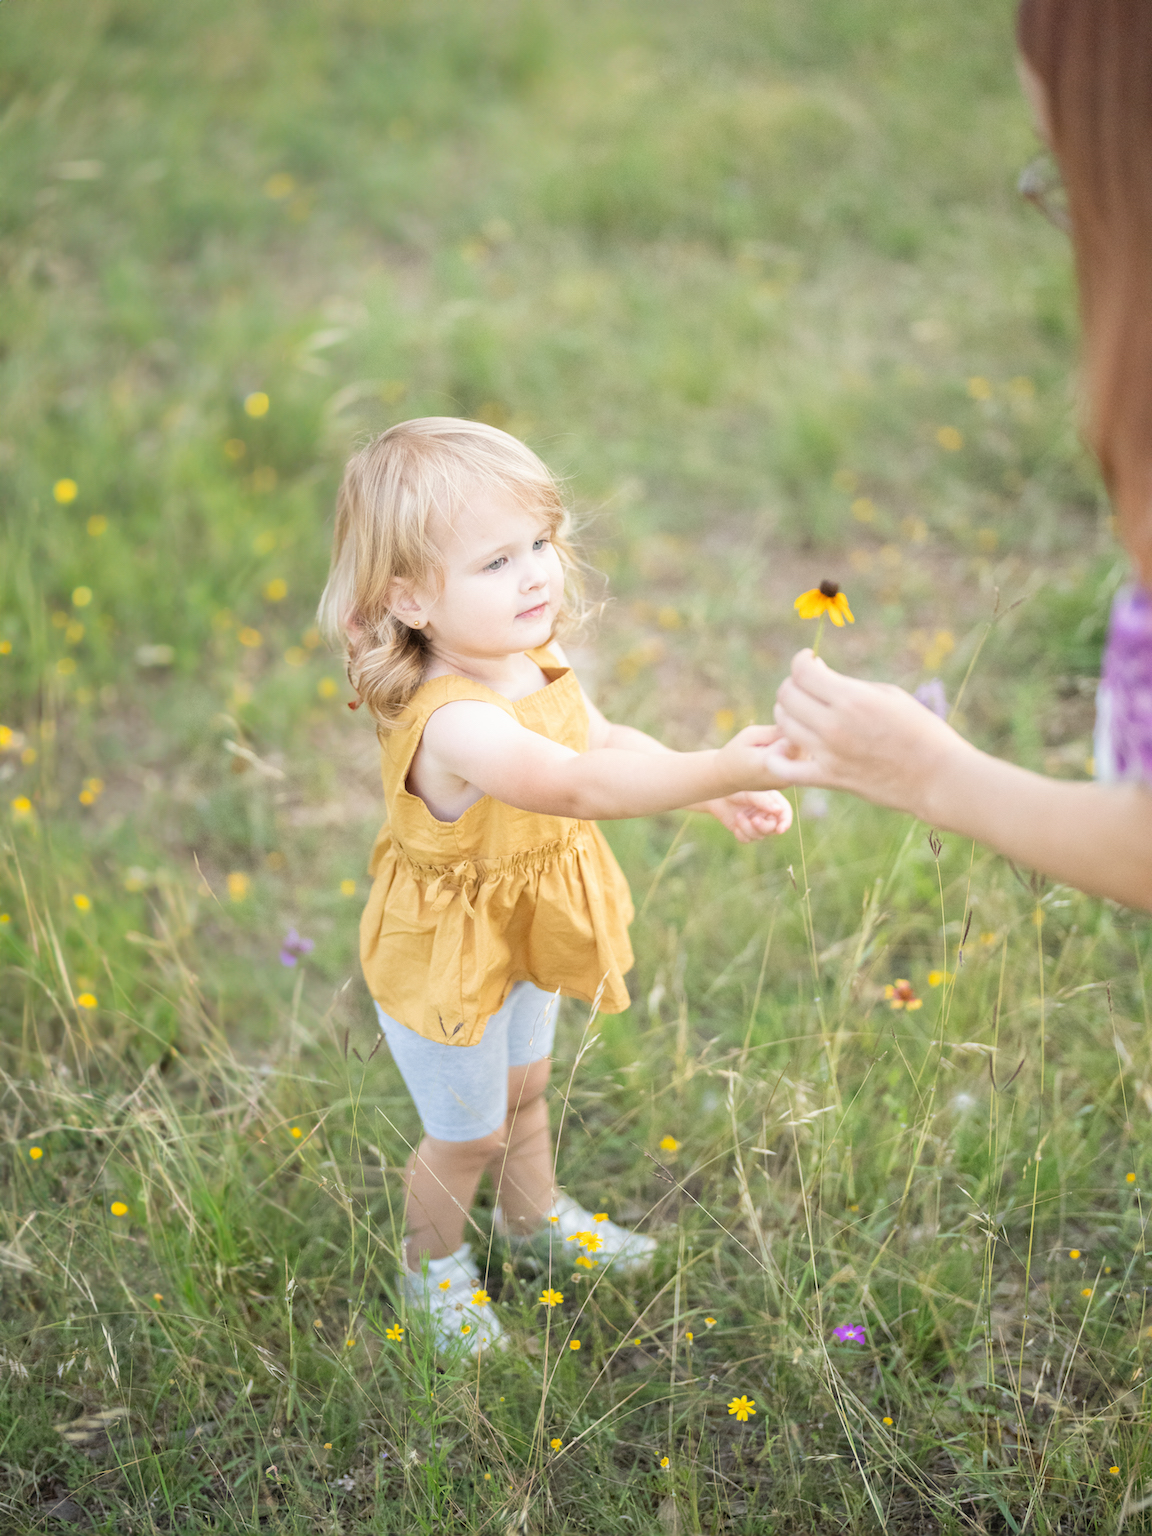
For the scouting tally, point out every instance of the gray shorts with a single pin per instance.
(461, 1091)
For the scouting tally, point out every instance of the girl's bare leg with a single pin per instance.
(442, 1177)
(522, 1169)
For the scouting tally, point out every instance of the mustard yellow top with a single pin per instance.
(461, 910)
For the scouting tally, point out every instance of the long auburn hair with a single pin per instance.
(397, 497)
(1094, 59)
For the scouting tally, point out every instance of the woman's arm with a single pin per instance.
(876, 741)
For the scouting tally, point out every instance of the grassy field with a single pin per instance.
(754, 277)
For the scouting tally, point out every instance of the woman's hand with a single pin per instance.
(751, 813)
(872, 739)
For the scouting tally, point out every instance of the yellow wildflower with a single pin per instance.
(1073, 1253)
(35, 1153)
(296, 1133)
(888, 1421)
(480, 1298)
(573, 1344)
(86, 1000)
(347, 887)
(21, 806)
(256, 404)
(664, 1461)
(938, 978)
(395, 1333)
(556, 1444)
(826, 600)
(550, 1298)
(669, 1144)
(81, 902)
(742, 1408)
(445, 1285)
(1130, 1178)
(327, 688)
(601, 1216)
(118, 1208)
(709, 1322)
(65, 491)
(276, 590)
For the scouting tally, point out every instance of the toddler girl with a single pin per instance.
(494, 891)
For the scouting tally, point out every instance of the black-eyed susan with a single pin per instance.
(824, 602)
(742, 1408)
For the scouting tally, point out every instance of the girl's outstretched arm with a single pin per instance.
(479, 745)
(876, 741)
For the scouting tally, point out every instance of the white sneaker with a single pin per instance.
(451, 1301)
(588, 1240)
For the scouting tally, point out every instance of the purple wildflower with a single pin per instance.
(932, 696)
(849, 1333)
(293, 947)
(1123, 747)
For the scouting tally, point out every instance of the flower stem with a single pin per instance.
(819, 632)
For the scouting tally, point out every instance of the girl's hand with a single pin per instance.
(751, 814)
(872, 739)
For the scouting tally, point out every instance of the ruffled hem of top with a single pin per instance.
(442, 945)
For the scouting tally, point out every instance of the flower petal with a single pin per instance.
(811, 604)
(841, 602)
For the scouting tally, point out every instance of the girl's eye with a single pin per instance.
(540, 543)
(497, 563)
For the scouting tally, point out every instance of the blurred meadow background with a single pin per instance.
(756, 279)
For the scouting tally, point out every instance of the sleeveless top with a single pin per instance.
(1123, 744)
(461, 910)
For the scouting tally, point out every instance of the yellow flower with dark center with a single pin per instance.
(742, 1408)
(825, 601)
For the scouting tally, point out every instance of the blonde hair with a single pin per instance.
(397, 493)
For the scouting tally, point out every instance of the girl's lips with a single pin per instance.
(533, 613)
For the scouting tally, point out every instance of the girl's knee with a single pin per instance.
(528, 1082)
(475, 1153)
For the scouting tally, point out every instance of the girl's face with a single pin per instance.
(502, 583)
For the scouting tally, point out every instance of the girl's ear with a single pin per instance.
(405, 603)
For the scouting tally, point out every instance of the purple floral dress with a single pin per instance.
(1123, 745)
